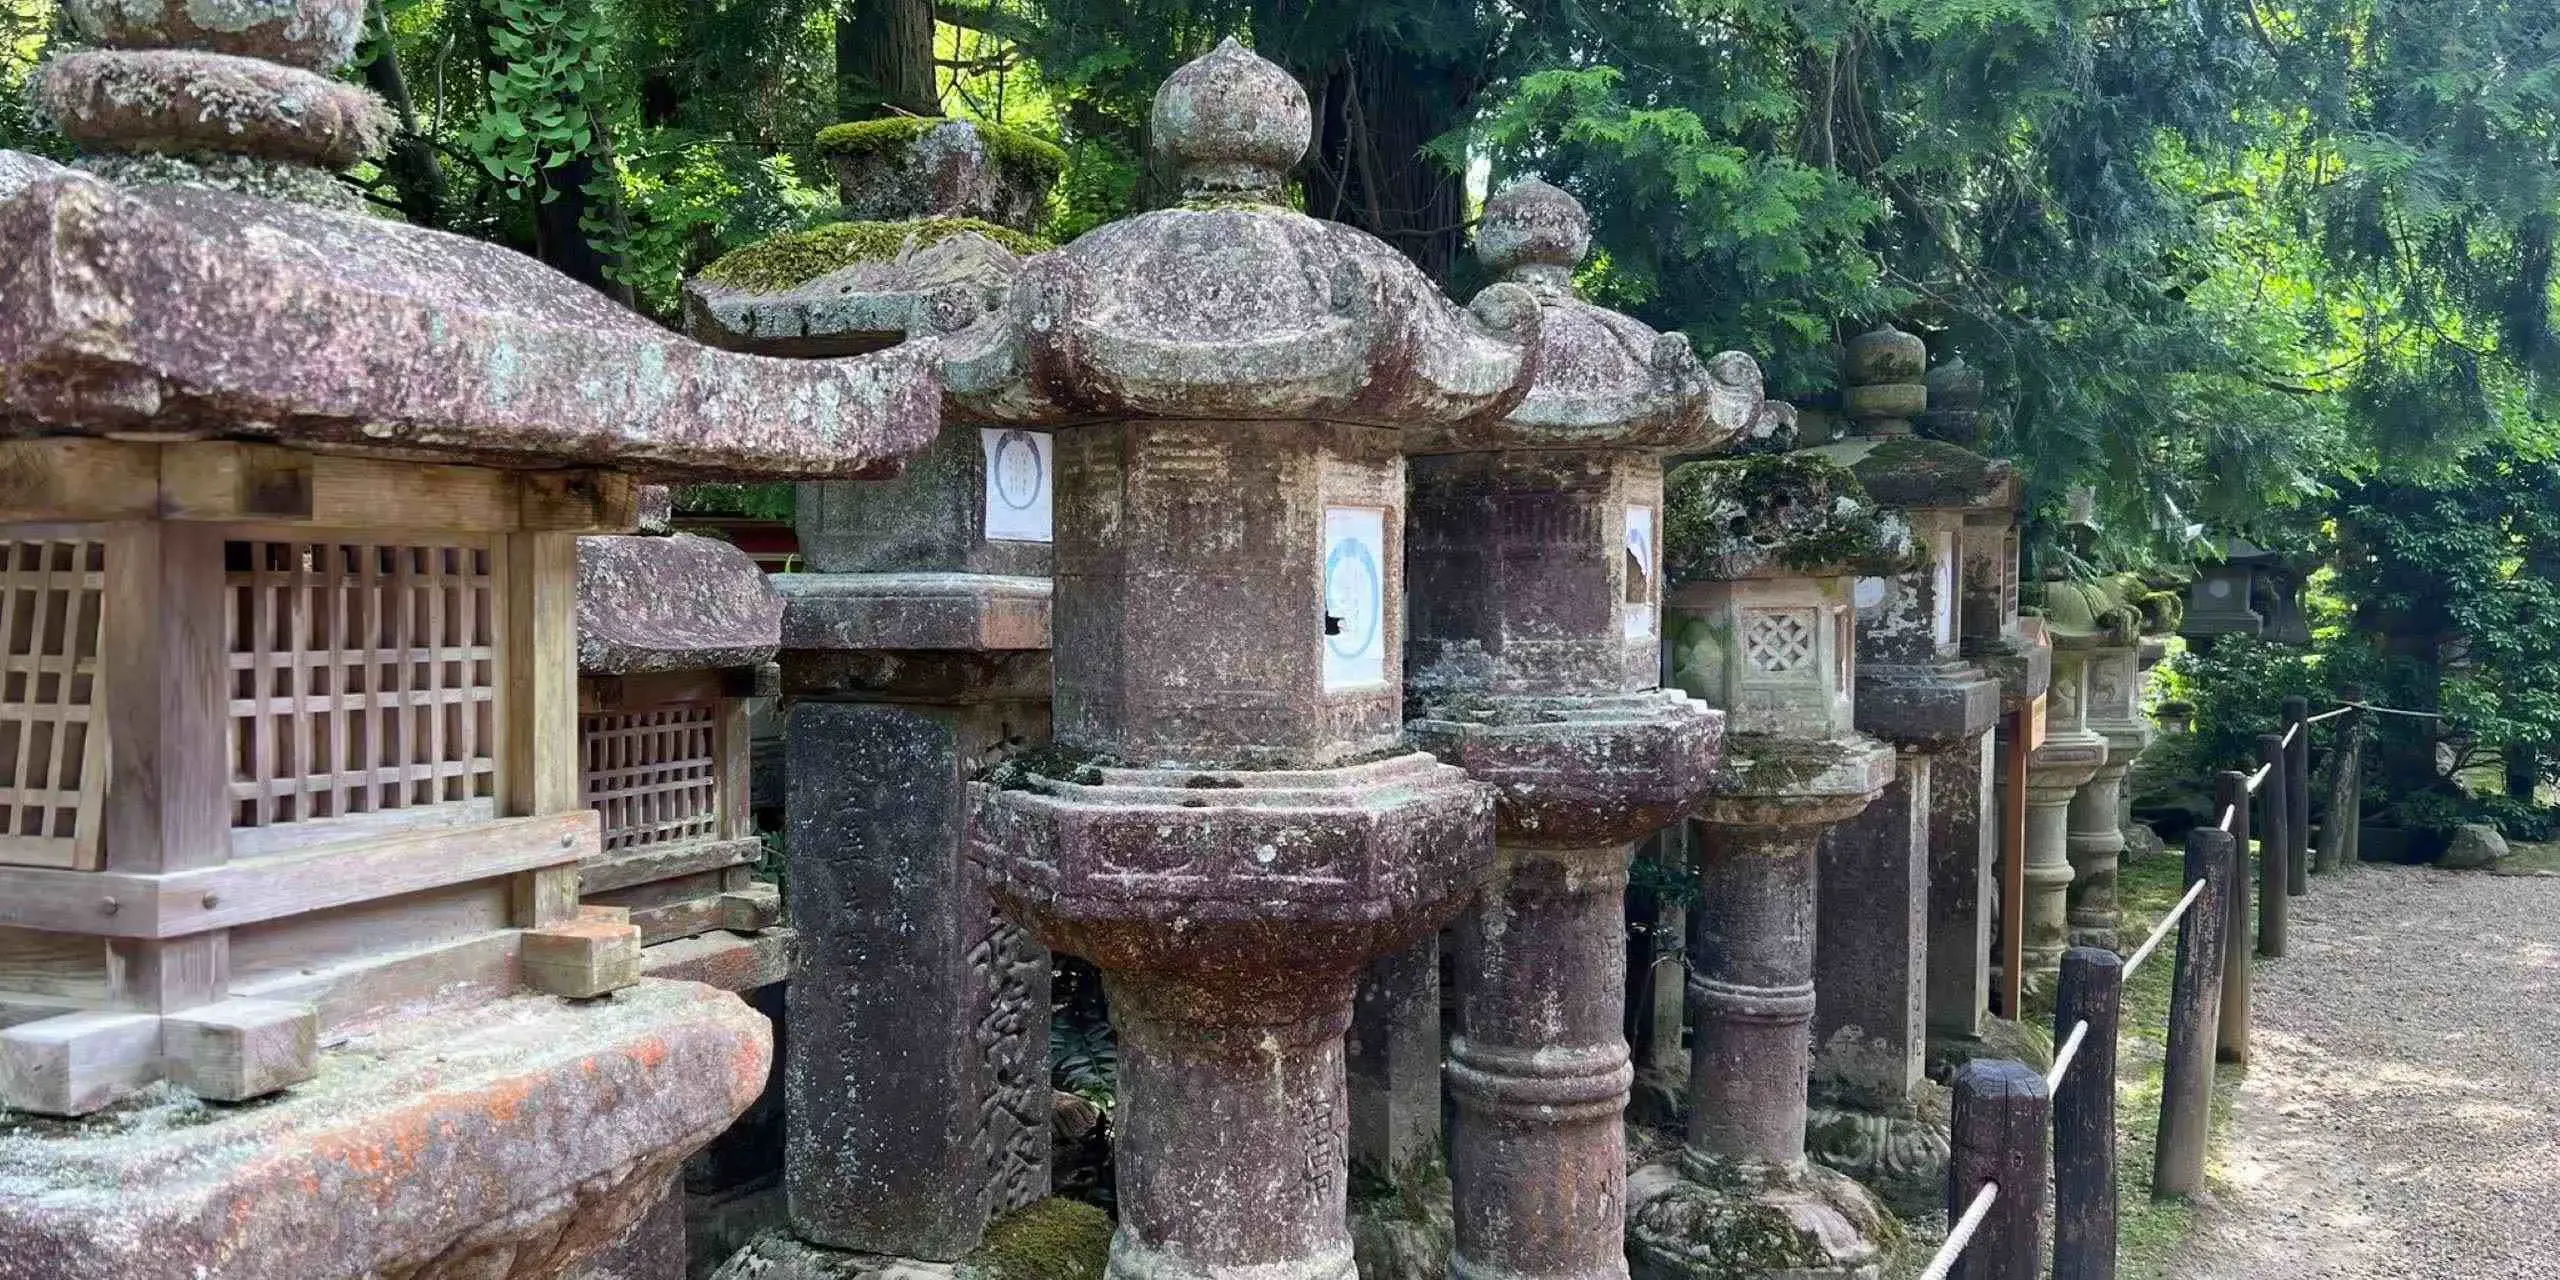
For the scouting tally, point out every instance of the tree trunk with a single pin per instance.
(410, 162)
(884, 59)
(1377, 105)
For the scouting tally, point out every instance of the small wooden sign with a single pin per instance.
(2031, 723)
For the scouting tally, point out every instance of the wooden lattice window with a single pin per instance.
(653, 775)
(52, 737)
(364, 681)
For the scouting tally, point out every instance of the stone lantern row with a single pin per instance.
(1128, 667)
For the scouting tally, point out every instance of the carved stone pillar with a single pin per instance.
(1228, 825)
(1535, 664)
(1761, 624)
(1875, 1116)
(915, 655)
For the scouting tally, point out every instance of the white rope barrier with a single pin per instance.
(2230, 814)
(1962, 1234)
(2257, 779)
(2062, 1057)
(2291, 732)
(2161, 930)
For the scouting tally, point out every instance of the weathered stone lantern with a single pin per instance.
(290, 505)
(1535, 658)
(2250, 591)
(1229, 825)
(675, 634)
(1875, 1116)
(2114, 713)
(915, 653)
(1761, 554)
(2079, 619)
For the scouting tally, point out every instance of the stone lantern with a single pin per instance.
(1229, 824)
(2114, 713)
(1876, 1117)
(2250, 591)
(1761, 554)
(291, 501)
(1534, 662)
(2080, 619)
(915, 653)
(675, 634)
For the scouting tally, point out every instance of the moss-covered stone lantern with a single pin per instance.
(1761, 555)
(290, 507)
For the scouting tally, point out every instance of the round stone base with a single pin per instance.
(1759, 1223)
(2104, 937)
(1898, 1153)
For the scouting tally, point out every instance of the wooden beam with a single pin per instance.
(368, 988)
(241, 1049)
(78, 479)
(79, 1062)
(624, 868)
(166, 683)
(116, 904)
(579, 501)
(538, 768)
(164, 975)
(596, 953)
(268, 484)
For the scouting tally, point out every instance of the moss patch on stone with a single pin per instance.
(1050, 1239)
(1014, 152)
(1912, 471)
(1801, 511)
(787, 262)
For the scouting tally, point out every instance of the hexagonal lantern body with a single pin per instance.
(1228, 825)
(1535, 664)
(915, 652)
(1760, 622)
(300, 716)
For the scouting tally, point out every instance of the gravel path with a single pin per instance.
(2402, 1117)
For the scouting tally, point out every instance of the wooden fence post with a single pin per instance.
(2084, 1117)
(2297, 798)
(2195, 997)
(2239, 969)
(1997, 1134)
(2351, 849)
(2267, 822)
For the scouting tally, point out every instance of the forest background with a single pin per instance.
(2225, 266)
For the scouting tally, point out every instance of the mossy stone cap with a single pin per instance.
(1884, 354)
(1730, 518)
(1233, 124)
(1532, 224)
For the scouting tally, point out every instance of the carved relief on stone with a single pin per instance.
(1011, 1033)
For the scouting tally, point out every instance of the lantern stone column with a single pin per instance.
(2114, 713)
(1761, 554)
(1229, 825)
(914, 655)
(1875, 1115)
(2071, 754)
(1534, 662)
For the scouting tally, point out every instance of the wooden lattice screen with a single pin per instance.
(364, 678)
(653, 775)
(52, 754)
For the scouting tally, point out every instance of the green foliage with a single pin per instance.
(546, 72)
(2238, 691)
(1084, 1059)
(797, 259)
(24, 25)
(2457, 579)
(753, 501)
